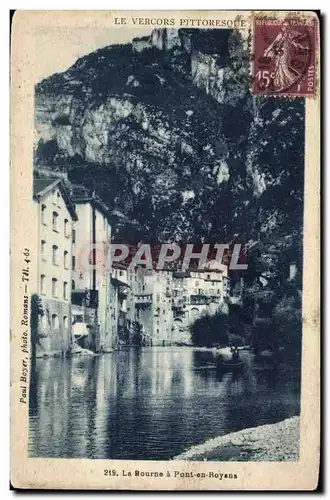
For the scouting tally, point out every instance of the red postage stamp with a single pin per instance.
(284, 56)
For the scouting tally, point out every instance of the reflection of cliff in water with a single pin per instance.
(149, 403)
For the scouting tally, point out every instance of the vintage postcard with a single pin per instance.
(165, 173)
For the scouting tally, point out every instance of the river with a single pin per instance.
(149, 404)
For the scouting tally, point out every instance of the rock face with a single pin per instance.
(161, 39)
(207, 75)
(148, 122)
(207, 68)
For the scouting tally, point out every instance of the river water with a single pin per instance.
(149, 404)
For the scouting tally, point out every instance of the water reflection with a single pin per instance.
(151, 403)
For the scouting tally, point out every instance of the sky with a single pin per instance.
(56, 49)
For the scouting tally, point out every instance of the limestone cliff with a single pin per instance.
(165, 129)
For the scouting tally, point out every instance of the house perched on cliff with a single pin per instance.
(196, 292)
(149, 304)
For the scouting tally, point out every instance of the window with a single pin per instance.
(65, 321)
(42, 249)
(55, 221)
(73, 236)
(73, 284)
(73, 262)
(44, 322)
(54, 321)
(208, 276)
(65, 258)
(58, 198)
(42, 283)
(54, 287)
(65, 290)
(66, 228)
(55, 255)
(121, 273)
(43, 214)
(157, 297)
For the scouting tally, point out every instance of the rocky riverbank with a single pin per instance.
(273, 442)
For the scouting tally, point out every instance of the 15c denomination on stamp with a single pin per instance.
(284, 56)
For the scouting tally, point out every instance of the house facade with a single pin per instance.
(91, 271)
(118, 303)
(149, 304)
(56, 216)
(165, 303)
(87, 299)
(159, 285)
(197, 292)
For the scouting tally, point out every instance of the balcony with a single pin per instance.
(85, 297)
(143, 298)
(123, 285)
(83, 314)
(178, 303)
(199, 300)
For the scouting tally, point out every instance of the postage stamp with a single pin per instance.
(284, 56)
(165, 250)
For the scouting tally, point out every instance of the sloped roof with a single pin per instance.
(43, 186)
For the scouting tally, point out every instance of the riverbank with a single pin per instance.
(272, 442)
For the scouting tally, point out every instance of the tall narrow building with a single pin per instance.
(55, 216)
(195, 293)
(149, 304)
(118, 303)
(91, 270)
